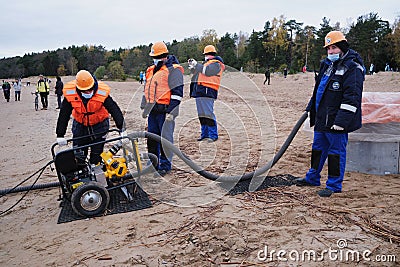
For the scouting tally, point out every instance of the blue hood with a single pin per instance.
(354, 56)
(171, 59)
(219, 58)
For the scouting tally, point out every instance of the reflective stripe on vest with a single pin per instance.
(211, 81)
(157, 89)
(94, 112)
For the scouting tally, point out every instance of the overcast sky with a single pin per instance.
(35, 26)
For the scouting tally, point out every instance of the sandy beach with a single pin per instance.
(193, 221)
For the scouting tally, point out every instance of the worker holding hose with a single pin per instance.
(163, 92)
(204, 87)
(90, 104)
(335, 110)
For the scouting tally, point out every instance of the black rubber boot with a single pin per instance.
(325, 192)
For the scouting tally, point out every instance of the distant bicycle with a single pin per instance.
(36, 100)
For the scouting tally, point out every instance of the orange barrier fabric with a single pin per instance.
(380, 107)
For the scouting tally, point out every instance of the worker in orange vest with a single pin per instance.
(204, 87)
(163, 93)
(90, 104)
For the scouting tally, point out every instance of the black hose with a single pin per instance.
(29, 187)
(39, 172)
(218, 178)
(187, 160)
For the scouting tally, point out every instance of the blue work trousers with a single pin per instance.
(333, 147)
(208, 121)
(158, 125)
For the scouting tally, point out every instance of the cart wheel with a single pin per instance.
(90, 199)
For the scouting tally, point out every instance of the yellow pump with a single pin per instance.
(115, 167)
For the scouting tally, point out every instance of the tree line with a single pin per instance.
(281, 44)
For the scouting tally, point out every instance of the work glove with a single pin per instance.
(337, 128)
(147, 109)
(61, 141)
(123, 133)
(169, 117)
(192, 63)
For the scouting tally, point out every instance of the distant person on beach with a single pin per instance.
(43, 88)
(204, 86)
(285, 73)
(141, 77)
(59, 91)
(371, 69)
(17, 89)
(6, 90)
(335, 111)
(267, 76)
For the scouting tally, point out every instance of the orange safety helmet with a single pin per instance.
(84, 80)
(209, 49)
(158, 48)
(334, 37)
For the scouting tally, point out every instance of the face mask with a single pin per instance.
(87, 96)
(156, 61)
(333, 57)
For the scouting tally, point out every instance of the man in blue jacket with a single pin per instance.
(335, 110)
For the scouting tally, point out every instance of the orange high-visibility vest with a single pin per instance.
(94, 112)
(211, 81)
(157, 89)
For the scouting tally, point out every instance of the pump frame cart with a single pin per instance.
(88, 187)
